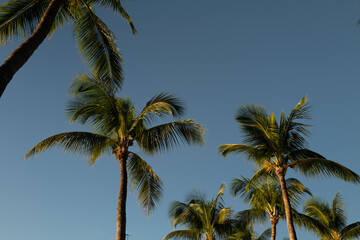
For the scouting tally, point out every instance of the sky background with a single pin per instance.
(216, 55)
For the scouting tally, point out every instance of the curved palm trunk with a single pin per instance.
(22, 53)
(289, 219)
(121, 207)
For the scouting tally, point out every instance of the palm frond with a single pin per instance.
(97, 45)
(94, 103)
(265, 235)
(296, 190)
(338, 211)
(252, 215)
(186, 234)
(351, 231)
(144, 179)
(84, 143)
(117, 8)
(161, 105)
(313, 167)
(223, 216)
(310, 223)
(165, 136)
(19, 18)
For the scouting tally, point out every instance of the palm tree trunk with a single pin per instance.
(280, 172)
(22, 53)
(273, 231)
(273, 220)
(121, 207)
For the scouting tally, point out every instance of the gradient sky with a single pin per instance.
(216, 55)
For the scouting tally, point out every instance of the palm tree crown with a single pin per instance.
(265, 198)
(115, 128)
(333, 218)
(277, 146)
(37, 19)
(207, 220)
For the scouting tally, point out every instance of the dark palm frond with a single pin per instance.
(97, 45)
(117, 8)
(161, 105)
(253, 215)
(259, 128)
(19, 18)
(186, 234)
(351, 231)
(144, 179)
(83, 143)
(265, 235)
(94, 104)
(256, 154)
(164, 136)
(313, 167)
(303, 154)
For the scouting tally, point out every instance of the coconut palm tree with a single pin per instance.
(203, 219)
(265, 198)
(333, 217)
(278, 146)
(37, 19)
(116, 128)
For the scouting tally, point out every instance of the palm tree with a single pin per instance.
(265, 198)
(116, 128)
(207, 220)
(333, 217)
(37, 19)
(276, 147)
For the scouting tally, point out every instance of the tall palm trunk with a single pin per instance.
(22, 53)
(121, 207)
(280, 172)
(273, 220)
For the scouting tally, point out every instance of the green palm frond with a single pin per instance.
(161, 105)
(313, 167)
(83, 143)
(318, 210)
(97, 45)
(187, 234)
(19, 18)
(351, 231)
(168, 135)
(310, 223)
(338, 211)
(144, 179)
(256, 154)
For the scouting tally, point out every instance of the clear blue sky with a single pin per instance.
(216, 55)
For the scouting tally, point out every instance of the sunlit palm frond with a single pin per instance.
(187, 234)
(144, 179)
(162, 137)
(296, 190)
(338, 211)
(318, 210)
(97, 45)
(161, 105)
(256, 154)
(313, 167)
(351, 231)
(83, 143)
(19, 18)
(310, 223)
